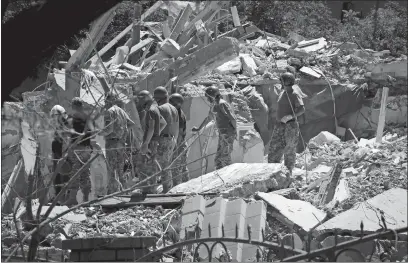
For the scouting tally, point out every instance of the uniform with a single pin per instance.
(167, 142)
(149, 167)
(115, 147)
(227, 134)
(180, 170)
(285, 136)
(77, 157)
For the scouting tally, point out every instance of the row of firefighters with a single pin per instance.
(161, 159)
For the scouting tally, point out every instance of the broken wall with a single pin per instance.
(11, 134)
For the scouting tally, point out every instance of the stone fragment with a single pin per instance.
(291, 212)
(324, 137)
(238, 179)
(350, 171)
(249, 66)
(120, 55)
(313, 47)
(310, 72)
(230, 67)
(392, 202)
(297, 53)
(341, 193)
(281, 64)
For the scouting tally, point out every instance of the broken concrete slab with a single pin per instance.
(238, 179)
(281, 64)
(292, 240)
(192, 66)
(230, 67)
(291, 212)
(392, 202)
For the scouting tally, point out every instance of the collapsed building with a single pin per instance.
(343, 83)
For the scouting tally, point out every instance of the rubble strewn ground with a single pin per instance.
(247, 81)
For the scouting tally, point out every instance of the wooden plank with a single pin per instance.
(235, 16)
(6, 203)
(126, 30)
(86, 48)
(189, 28)
(134, 49)
(381, 118)
(185, 15)
(328, 189)
(197, 64)
(135, 39)
(184, 49)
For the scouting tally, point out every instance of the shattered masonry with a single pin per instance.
(341, 174)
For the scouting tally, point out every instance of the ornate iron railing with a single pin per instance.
(271, 247)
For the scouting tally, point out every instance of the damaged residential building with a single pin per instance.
(356, 116)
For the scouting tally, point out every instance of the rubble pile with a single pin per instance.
(331, 174)
(368, 170)
(134, 221)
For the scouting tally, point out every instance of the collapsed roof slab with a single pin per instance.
(191, 67)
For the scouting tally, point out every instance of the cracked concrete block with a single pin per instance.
(392, 202)
(230, 67)
(239, 179)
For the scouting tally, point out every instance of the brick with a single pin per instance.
(237, 206)
(131, 254)
(72, 244)
(256, 208)
(74, 256)
(196, 203)
(98, 255)
(215, 205)
(232, 221)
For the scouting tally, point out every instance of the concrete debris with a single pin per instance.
(324, 137)
(293, 212)
(340, 81)
(230, 67)
(238, 179)
(392, 204)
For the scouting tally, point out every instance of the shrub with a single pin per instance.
(391, 31)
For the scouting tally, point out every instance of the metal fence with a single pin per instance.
(272, 248)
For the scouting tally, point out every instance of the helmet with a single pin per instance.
(212, 92)
(176, 98)
(160, 93)
(288, 78)
(57, 110)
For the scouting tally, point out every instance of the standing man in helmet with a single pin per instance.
(151, 132)
(285, 135)
(168, 136)
(226, 123)
(59, 120)
(180, 172)
(117, 122)
(83, 130)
